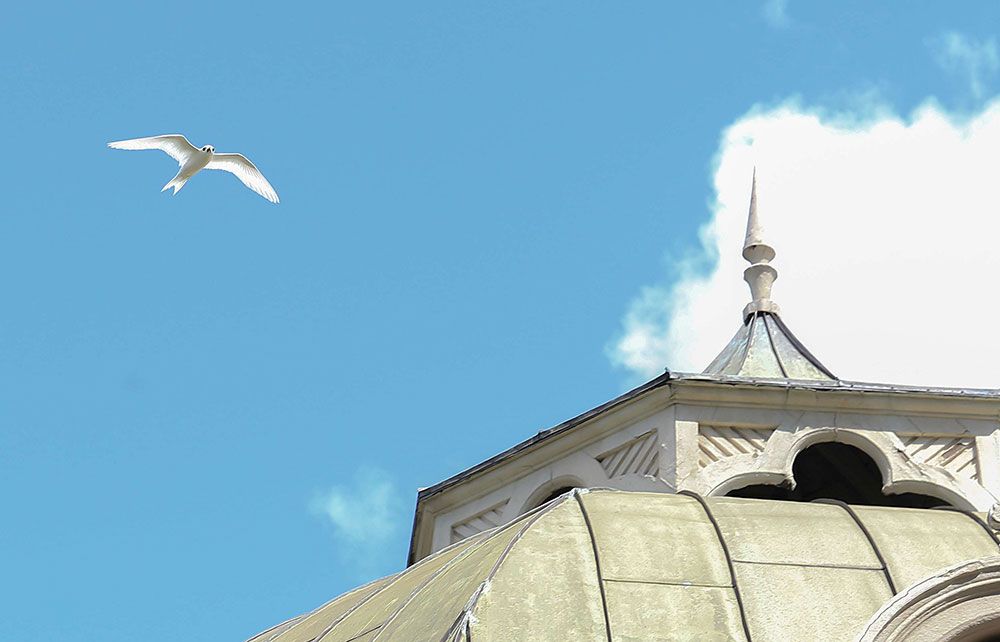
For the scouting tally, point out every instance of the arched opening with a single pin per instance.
(549, 491)
(832, 470)
(562, 490)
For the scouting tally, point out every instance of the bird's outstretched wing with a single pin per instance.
(246, 171)
(175, 145)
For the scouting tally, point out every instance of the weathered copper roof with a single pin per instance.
(764, 347)
(605, 565)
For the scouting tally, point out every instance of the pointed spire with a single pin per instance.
(755, 233)
(764, 347)
(760, 275)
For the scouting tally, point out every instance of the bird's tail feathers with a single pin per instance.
(176, 182)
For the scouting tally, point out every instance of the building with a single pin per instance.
(761, 499)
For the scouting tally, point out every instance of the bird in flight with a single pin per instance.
(193, 159)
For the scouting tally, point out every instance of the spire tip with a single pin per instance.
(760, 275)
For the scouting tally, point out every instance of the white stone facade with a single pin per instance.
(712, 437)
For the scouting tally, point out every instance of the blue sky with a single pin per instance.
(215, 412)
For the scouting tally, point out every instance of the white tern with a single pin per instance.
(193, 159)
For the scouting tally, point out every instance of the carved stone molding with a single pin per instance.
(956, 454)
(487, 519)
(731, 457)
(716, 443)
(958, 603)
(639, 455)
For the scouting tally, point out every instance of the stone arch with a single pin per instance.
(932, 489)
(551, 489)
(900, 476)
(834, 469)
(879, 453)
(958, 604)
(752, 478)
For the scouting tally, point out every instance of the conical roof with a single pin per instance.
(617, 565)
(764, 347)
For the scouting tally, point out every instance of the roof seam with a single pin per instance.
(868, 536)
(846, 567)
(746, 351)
(774, 350)
(366, 632)
(455, 630)
(973, 517)
(329, 629)
(295, 621)
(665, 583)
(729, 559)
(597, 563)
(274, 629)
(802, 348)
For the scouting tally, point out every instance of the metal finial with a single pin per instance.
(760, 275)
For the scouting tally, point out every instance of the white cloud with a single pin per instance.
(365, 516)
(775, 13)
(887, 231)
(974, 59)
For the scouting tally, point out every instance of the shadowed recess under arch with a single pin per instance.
(832, 470)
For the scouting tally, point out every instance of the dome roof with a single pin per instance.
(603, 564)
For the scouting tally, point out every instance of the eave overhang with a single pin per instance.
(709, 389)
